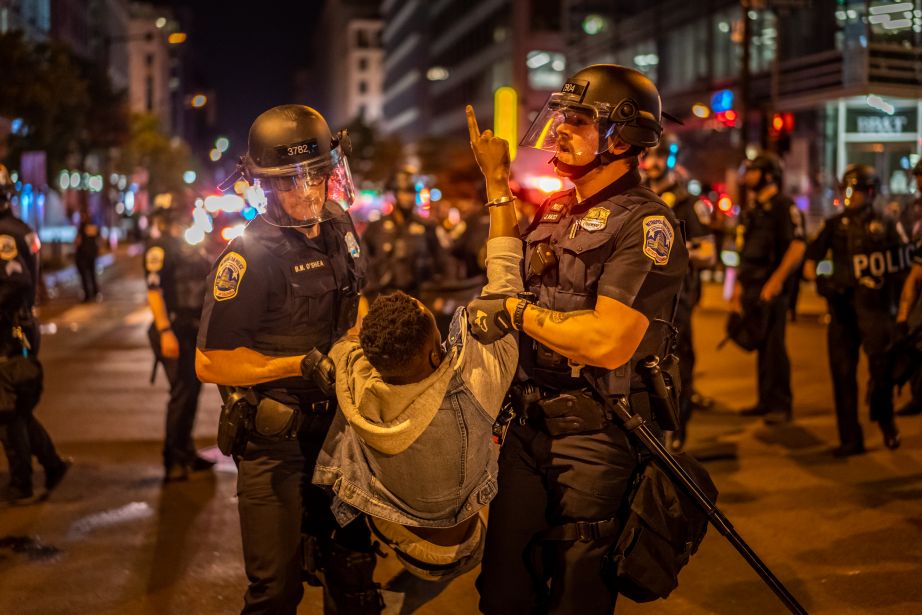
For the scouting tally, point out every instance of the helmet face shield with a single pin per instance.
(301, 194)
(566, 126)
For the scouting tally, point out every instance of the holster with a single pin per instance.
(661, 378)
(572, 412)
(236, 420)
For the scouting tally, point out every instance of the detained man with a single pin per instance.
(411, 443)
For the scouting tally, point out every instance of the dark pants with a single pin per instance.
(178, 446)
(86, 267)
(23, 437)
(277, 502)
(773, 365)
(686, 352)
(850, 329)
(544, 482)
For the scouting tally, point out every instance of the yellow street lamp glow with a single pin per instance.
(506, 117)
(701, 110)
(199, 101)
(177, 38)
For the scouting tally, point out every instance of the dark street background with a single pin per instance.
(845, 535)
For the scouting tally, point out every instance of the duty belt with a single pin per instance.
(560, 413)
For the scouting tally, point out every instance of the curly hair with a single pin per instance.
(394, 331)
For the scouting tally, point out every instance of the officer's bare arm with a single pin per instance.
(606, 336)
(910, 292)
(792, 257)
(243, 367)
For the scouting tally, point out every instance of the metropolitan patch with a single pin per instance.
(595, 219)
(8, 249)
(657, 239)
(153, 259)
(230, 274)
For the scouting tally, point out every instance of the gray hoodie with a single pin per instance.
(421, 454)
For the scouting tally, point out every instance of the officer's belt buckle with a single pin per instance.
(320, 407)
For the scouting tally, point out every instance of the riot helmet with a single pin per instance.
(860, 184)
(662, 158)
(297, 168)
(402, 184)
(597, 104)
(7, 188)
(769, 166)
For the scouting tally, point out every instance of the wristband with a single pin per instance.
(500, 201)
(518, 317)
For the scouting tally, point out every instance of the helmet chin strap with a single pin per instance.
(578, 171)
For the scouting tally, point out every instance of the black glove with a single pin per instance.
(901, 335)
(318, 368)
(488, 319)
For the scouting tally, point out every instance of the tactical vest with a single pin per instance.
(573, 285)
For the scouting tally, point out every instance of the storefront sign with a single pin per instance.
(864, 122)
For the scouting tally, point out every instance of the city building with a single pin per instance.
(154, 87)
(32, 17)
(830, 82)
(350, 42)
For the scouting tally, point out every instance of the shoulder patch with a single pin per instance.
(595, 219)
(153, 259)
(8, 249)
(229, 276)
(657, 239)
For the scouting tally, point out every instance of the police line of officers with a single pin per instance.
(610, 267)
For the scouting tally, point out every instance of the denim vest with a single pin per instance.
(446, 476)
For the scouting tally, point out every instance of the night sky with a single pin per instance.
(247, 52)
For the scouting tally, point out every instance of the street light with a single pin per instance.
(177, 38)
(198, 101)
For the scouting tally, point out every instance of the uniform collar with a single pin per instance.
(629, 180)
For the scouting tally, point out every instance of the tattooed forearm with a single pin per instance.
(543, 315)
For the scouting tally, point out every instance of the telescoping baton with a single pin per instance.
(635, 424)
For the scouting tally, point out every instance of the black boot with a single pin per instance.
(348, 582)
(891, 434)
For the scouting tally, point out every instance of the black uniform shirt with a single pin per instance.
(280, 293)
(87, 238)
(179, 270)
(623, 243)
(683, 206)
(19, 247)
(867, 253)
(764, 234)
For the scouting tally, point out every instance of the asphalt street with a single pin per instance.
(844, 535)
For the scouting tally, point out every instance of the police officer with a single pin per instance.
(175, 272)
(402, 248)
(604, 262)
(276, 300)
(770, 240)
(662, 178)
(86, 251)
(914, 229)
(21, 433)
(868, 259)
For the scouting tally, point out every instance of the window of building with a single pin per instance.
(149, 59)
(363, 87)
(363, 64)
(363, 41)
(685, 56)
(642, 56)
(545, 69)
(149, 94)
(727, 31)
(764, 40)
(546, 15)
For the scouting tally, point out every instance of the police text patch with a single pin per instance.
(595, 219)
(657, 239)
(8, 249)
(229, 275)
(153, 259)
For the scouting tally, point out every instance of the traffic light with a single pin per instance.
(780, 127)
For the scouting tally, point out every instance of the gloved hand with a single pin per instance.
(318, 368)
(488, 319)
(901, 334)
